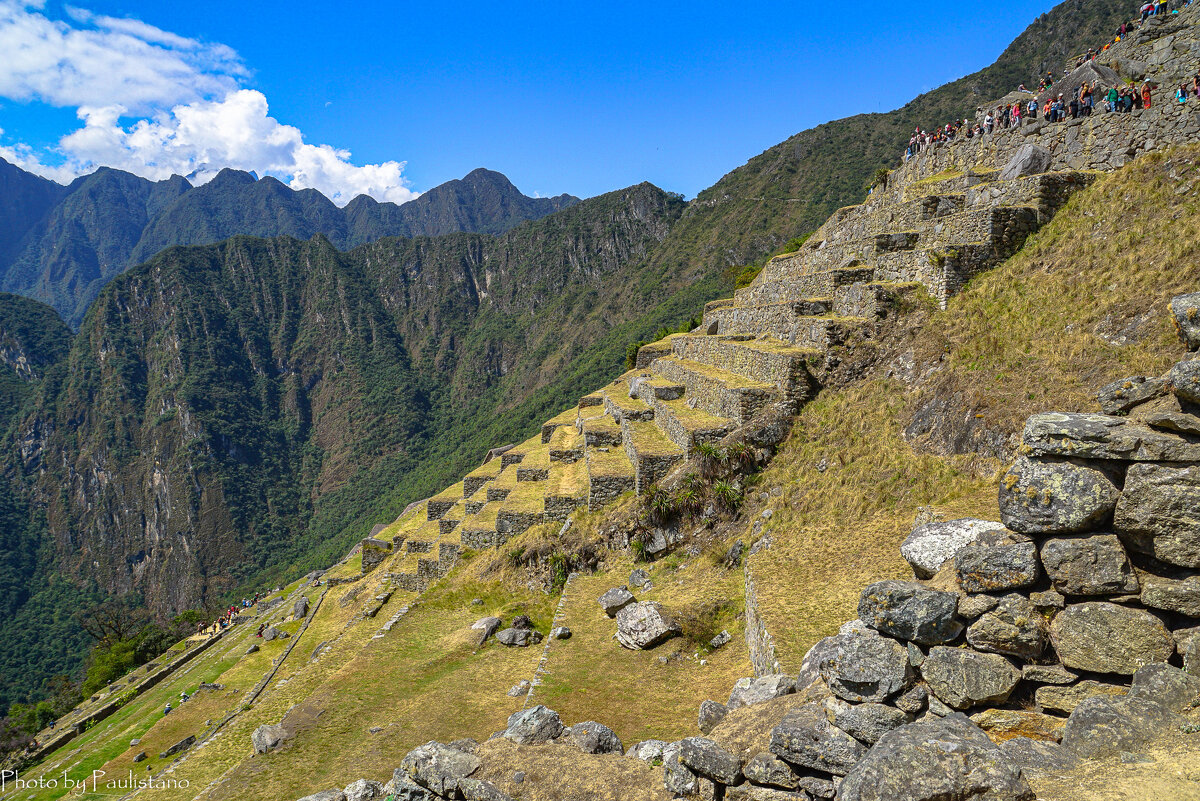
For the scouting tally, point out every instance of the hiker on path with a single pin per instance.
(1146, 95)
(167, 708)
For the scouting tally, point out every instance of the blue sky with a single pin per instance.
(562, 97)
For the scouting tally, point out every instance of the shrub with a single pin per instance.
(727, 496)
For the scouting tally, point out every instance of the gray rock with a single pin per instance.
(1179, 422)
(805, 737)
(363, 790)
(179, 747)
(560, 633)
(1037, 755)
(438, 768)
(866, 667)
(1184, 380)
(1157, 512)
(810, 666)
(770, 770)
(1187, 643)
(1123, 395)
(650, 751)
(1066, 699)
(749, 691)
(913, 701)
(522, 622)
(706, 758)
(519, 689)
(1100, 436)
(710, 716)
(518, 638)
(641, 626)
(141, 757)
(935, 760)
(326, 795)
(720, 640)
(596, 738)
(1030, 159)
(995, 568)
(963, 678)
(253, 649)
(1106, 638)
(1096, 565)
(267, 738)
(1185, 310)
(1182, 596)
(1051, 496)
(1014, 627)
(677, 779)
(931, 545)
(487, 625)
(615, 600)
(405, 789)
(1168, 685)
(1048, 599)
(972, 606)
(300, 608)
(468, 744)
(480, 790)
(750, 792)
(1104, 726)
(638, 577)
(532, 726)
(868, 722)
(816, 785)
(910, 611)
(1048, 674)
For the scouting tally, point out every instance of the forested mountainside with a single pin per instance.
(60, 244)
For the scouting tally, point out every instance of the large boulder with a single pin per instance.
(1182, 596)
(405, 789)
(1157, 512)
(480, 790)
(910, 611)
(1126, 393)
(532, 726)
(615, 600)
(363, 790)
(1027, 754)
(866, 667)
(938, 759)
(995, 568)
(1056, 496)
(1096, 565)
(710, 715)
(1030, 159)
(1185, 381)
(518, 638)
(1014, 627)
(770, 771)
(596, 738)
(810, 666)
(1106, 638)
(648, 750)
(1185, 311)
(439, 768)
(962, 678)
(1168, 685)
(1100, 436)
(750, 691)
(300, 608)
(868, 722)
(805, 737)
(677, 778)
(1065, 699)
(931, 545)
(268, 737)
(1105, 726)
(487, 625)
(644, 625)
(706, 758)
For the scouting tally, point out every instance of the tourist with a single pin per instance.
(1110, 100)
(1182, 94)
(167, 709)
(1146, 95)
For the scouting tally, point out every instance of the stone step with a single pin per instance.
(535, 466)
(650, 388)
(650, 451)
(566, 419)
(517, 454)
(688, 427)
(444, 501)
(452, 518)
(505, 483)
(621, 406)
(764, 359)
(793, 279)
(523, 508)
(781, 321)
(566, 445)
(716, 391)
(481, 475)
(479, 530)
(601, 431)
(610, 473)
(567, 490)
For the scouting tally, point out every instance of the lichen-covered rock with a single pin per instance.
(644, 625)
(405, 789)
(1126, 393)
(1066, 699)
(972, 606)
(995, 568)
(300, 607)
(910, 611)
(1105, 726)
(749, 691)
(1157, 512)
(326, 795)
(1027, 754)
(1004, 724)
(1096, 565)
(805, 737)
(1014, 627)
(771, 771)
(615, 600)
(1185, 311)
(931, 545)
(810, 666)
(866, 667)
(912, 701)
(1106, 638)
(1187, 643)
(596, 738)
(438, 768)
(1048, 674)
(268, 737)
(648, 751)
(678, 779)
(1056, 496)
(532, 726)
(487, 626)
(1100, 436)
(1168, 685)
(1182, 596)
(363, 790)
(868, 722)
(1184, 380)
(518, 638)
(935, 760)
(962, 678)
(706, 758)
(710, 716)
(1030, 159)
(638, 578)
(480, 790)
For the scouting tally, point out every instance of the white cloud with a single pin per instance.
(156, 103)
